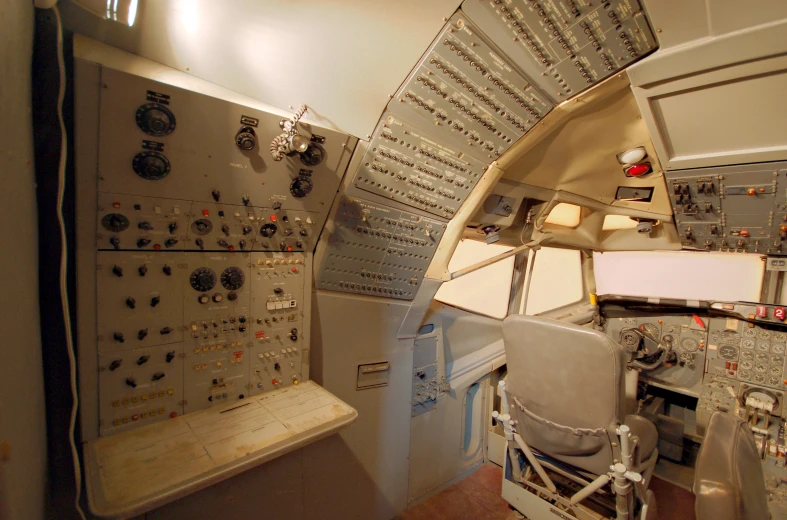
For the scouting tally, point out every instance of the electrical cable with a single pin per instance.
(64, 266)
(280, 146)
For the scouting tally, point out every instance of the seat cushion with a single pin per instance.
(647, 434)
(729, 483)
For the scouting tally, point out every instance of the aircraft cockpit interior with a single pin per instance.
(446, 260)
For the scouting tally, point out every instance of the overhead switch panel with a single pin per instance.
(566, 46)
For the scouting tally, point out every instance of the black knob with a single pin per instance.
(313, 155)
(115, 364)
(225, 229)
(278, 290)
(216, 194)
(115, 241)
(277, 206)
(142, 360)
(167, 270)
(287, 232)
(294, 331)
(276, 366)
(115, 222)
(131, 303)
(173, 226)
(222, 243)
(299, 244)
(155, 301)
(141, 334)
(303, 232)
(268, 230)
(245, 200)
(165, 331)
(152, 166)
(170, 356)
(117, 271)
(247, 230)
(155, 119)
(200, 243)
(232, 296)
(130, 381)
(142, 242)
(143, 270)
(145, 225)
(242, 244)
(301, 186)
(242, 319)
(294, 337)
(246, 139)
(117, 336)
(241, 329)
(157, 376)
(170, 242)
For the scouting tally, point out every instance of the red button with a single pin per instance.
(779, 313)
(289, 249)
(273, 218)
(204, 213)
(762, 311)
(157, 247)
(744, 232)
(116, 204)
(274, 382)
(294, 269)
(727, 365)
(638, 170)
(231, 248)
(135, 417)
(259, 334)
(735, 366)
(173, 415)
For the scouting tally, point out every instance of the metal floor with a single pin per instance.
(477, 497)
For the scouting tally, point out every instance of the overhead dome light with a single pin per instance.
(123, 11)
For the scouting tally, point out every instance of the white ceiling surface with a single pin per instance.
(342, 58)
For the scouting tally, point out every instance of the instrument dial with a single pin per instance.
(268, 230)
(763, 346)
(748, 344)
(777, 360)
(760, 369)
(781, 337)
(203, 279)
(762, 358)
(776, 371)
(725, 351)
(691, 345)
(744, 374)
(313, 155)
(232, 278)
(747, 365)
(301, 186)
(747, 354)
(155, 119)
(152, 166)
(778, 348)
(629, 340)
(749, 332)
(759, 378)
(652, 330)
(201, 226)
(764, 334)
(114, 222)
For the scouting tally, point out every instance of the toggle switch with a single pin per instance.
(142, 360)
(143, 270)
(173, 226)
(117, 271)
(155, 301)
(118, 336)
(142, 334)
(167, 270)
(115, 364)
(131, 303)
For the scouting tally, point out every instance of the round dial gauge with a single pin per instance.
(691, 345)
(155, 119)
(776, 371)
(778, 348)
(747, 365)
(759, 378)
(748, 344)
(780, 336)
(747, 354)
(203, 279)
(760, 369)
(764, 334)
(763, 346)
(744, 374)
(777, 360)
(629, 340)
(232, 278)
(201, 226)
(775, 381)
(749, 332)
(652, 330)
(762, 358)
(152, 166)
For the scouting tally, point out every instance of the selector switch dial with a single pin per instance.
(313, 155)
(203, 279)
(232, 278)
(201, 226)
(301, 186)
(268, 230)
(155, 119)
(246, 139)
(115, 222)
(152, 166)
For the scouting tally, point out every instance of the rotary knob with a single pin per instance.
(155, 119)
(313, 155)
(301, 186)
(246, 139)
(268, 230)
(232, 278)
(203, 279)
(152, 166)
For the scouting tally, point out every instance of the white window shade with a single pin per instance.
(556, 280)
(680, 274)
(485, 291)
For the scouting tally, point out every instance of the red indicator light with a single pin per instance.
(638, 170)
(116, 204)
(205, 213)
(135, 417)
(289, 249)
(762, 311)
(744, 232)
(274, 382)
(157, 247)
(259, 334)
(294, 269)
(779, 313)
(173, 415)
(699, 322)
(231, 248)
(273, 218)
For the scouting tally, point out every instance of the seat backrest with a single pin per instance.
(728, 478)
(565, 388)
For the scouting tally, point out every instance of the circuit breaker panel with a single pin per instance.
(731, 208)
(195, 246)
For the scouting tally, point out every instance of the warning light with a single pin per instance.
(638, 170)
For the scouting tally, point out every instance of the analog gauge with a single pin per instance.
(232, 278)
(747, 365)
(115, 222)
(749, 332)
(776, 371)
(780, 337)
(691, 345)
(759, 378)
(761, 369)
(727, 352)
(203, 279)
(774, 381)
(763, 346)
(764, 334)
(202, 226)
(748, 344)
(778, 348)
(730, 337)
(744, 374)
(651, 329)
(762, 358)
(629, 339)
(777, 360)
(747, 354)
